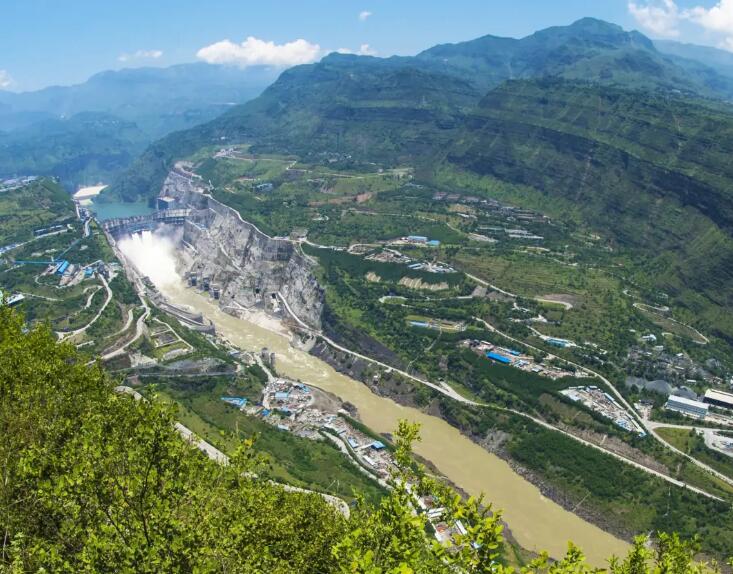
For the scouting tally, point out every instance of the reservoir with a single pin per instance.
(114, 209)
(535, 521)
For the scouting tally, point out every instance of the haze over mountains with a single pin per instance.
(90, 131)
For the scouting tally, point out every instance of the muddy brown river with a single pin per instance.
(535, 521)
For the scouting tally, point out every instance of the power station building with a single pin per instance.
(687, 406)
(719, 399)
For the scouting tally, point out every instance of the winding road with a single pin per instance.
(451, 393)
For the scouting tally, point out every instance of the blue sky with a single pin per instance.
(45, 42)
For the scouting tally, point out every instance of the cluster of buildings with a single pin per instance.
(700, 409)
(438, 324)
(443, 530)
(53, 230)
(393, 256)
(14, 183)
(516, 359)
(306, 412)
(418, 240)
(492, 206)
(603, 403)
(674, 368)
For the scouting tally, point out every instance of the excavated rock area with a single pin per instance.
(238, 263)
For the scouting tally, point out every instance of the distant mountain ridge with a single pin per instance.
(93, 130)
(159, 100)
(588, 50)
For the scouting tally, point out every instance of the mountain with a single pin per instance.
(651, 172)
(158, 100)
(389, 111)
(85, 148)
(588, 50)
(93, 131)
(599, 121)
(719, 60)
(342, 103)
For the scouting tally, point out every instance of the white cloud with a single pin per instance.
(364, 50)
(660, 17)
(726, 44)
(363, 15)
(5, 80)
(719, 18)
(253, 52)
(140, 55)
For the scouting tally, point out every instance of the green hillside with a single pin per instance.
(651, 172)
(588, 49)
(83, 149)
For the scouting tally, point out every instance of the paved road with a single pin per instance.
(630, 410)
(63, 335)
(139, 327)
(448, 391)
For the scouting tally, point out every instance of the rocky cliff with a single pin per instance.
(245, 267)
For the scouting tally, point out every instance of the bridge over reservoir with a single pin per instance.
(128, 225)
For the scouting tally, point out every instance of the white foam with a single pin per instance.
(154, 256)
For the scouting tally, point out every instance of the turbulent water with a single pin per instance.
(152, 255)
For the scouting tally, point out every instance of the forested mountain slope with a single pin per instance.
(589, 49)
(92, 131)
(386, 112)
(649, 170)
(83, 149)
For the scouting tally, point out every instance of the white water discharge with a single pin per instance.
(154, 256)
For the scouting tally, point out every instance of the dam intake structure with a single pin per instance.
(219, 252)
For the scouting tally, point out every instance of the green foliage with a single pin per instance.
(87, 147)
(41, 204)
(95, 481)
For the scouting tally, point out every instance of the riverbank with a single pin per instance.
(536, 522)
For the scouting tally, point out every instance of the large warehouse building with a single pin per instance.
(687, 406)
(719, 398)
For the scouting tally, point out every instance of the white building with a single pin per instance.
(687, 406)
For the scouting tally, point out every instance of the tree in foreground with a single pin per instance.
(94, 481)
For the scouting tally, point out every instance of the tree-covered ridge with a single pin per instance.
(588, 49)
(94, 481)
(649, 171)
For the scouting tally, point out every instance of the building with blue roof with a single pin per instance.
(235, 401)
(63, 266)
(378, 445)
(499, 358)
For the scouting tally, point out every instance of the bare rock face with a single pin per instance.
(237, 262)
